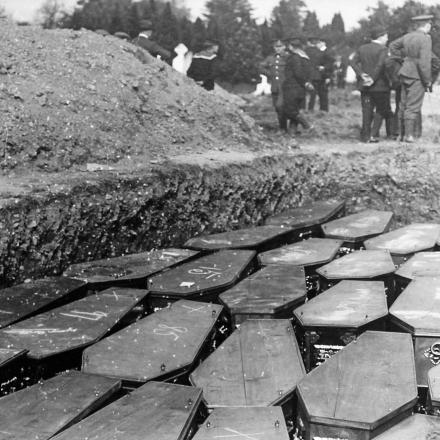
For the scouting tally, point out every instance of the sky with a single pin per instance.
(352, 10)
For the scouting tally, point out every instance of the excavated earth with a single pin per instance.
(107, 151)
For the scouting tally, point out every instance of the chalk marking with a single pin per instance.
(236, 434)
(166, 330)
(193, 309)
(6, 312)
(210, 271)
(39, 331)
(90, 316)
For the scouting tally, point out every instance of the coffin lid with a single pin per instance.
(417, 426)
(422, 264)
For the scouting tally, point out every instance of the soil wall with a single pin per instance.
(97, 215)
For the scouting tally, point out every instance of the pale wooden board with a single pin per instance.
(157, 410)
(415, 427)
(359, 265)
(407, 240)
(369, 381)
(128, 267)
(418, 307)
(75, 325)
(360, 226)
(422, 264)
(248, 238)
(8, 355)
(258, 365)
(159, 344)
(272, 289)
(221, 269)
(434, 384)
(250, 423)
(350, 304)
(40, 411)
(307, 215)
(26, 299)
(304, 253)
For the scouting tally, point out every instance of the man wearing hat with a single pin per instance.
(273, 67)
(415, 73)
(368, 62)
(203, 68)
(144, 40)
(297, 76)
(322, 64)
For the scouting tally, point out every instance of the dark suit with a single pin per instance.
(370, 59)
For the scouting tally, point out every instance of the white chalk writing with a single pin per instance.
(208, 271)
(166, 330)
(238, 434)
(38, 331)
(90, 316)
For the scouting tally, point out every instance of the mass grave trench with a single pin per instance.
(50, 224)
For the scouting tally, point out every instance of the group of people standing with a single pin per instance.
(408, 66)
(298, 68)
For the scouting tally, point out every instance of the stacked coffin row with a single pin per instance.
(314, 326)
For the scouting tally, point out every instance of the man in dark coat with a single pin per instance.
(144, 40)
(273, 67)
(322, 64)
(415, 73)
(297, 76)
(204, 68)
(368, 62)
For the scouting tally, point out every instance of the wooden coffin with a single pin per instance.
(308, 218)
(55, 339)
(368, 386)
(202, 279)
(402, 243)
(417, 311)
(157, 410)
(340, 314)
(27, 299)
(12, 370)
(434, 390)
(422, 264)
(356, 228)
(258, 365)
(163, 345)
(272, 292)
(42, 410)
(415, 427)
(129, 270)
(251, 423)
(312, 252)
(257, 238)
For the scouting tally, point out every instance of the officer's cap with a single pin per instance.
(313, 37)
(378, 32)
(277, 42)
(422, 18)
(146, 25)
(294, 39)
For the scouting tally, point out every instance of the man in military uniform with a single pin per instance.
(144, 40)
(415, 73)
(273, 67)
(297, 76)
(368, 62)
(321, 71)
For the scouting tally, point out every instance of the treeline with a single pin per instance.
(243, 42)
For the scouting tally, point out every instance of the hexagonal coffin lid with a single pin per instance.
(72, 326)
(258, 365)
(250, 238)
(367, 383)
(244, 423)
(160, 344)
(304, 253)
(268, 291)
(23, 300)
(42, 410)
(349, 304)
(358, 227)
(156, 410)
(359, 265)
(415, 427)
(434, 384)
(407, 240)
(212, 272)
(422, 264)
(417, 307)
(133, 267)
(307, 215)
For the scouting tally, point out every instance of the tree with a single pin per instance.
(167, 30)
(50, 13)
(230, 22)
(265, 39)
(337, 29)
(286, 17)
(311, 24)
(198, 35)
(185, 31)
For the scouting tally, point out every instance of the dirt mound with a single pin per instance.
(68, 98)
